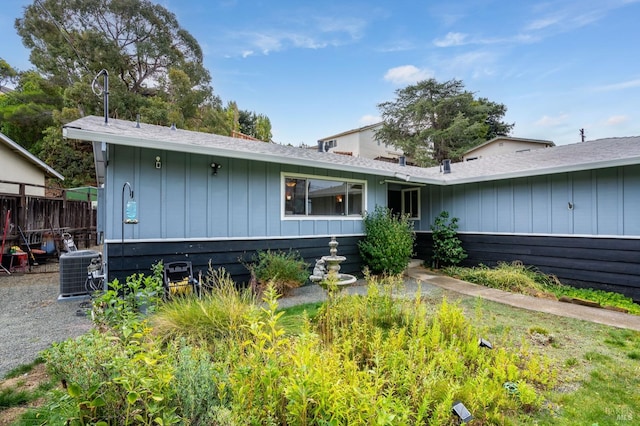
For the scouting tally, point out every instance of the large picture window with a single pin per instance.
(318, 196)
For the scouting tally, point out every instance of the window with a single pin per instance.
(330, 144)
(411, 203)
(318, 196)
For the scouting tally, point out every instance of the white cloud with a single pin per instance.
(547, 121)
(304, 33)
(367, 119)
(477, 63)
(247, 53)
(451, 39)
(618, 86)
(542, 23)
(407, 74)
(615, 120)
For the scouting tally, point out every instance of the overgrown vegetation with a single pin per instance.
(364, 359)
(229, 359)
(388, 243)
(519, 278)
(447, 247)
(285, 270)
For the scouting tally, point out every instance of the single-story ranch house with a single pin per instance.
(571, 210)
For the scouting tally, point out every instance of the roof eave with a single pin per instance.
(547, 171)
(92, 136)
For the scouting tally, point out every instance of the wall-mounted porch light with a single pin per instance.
(215, 166)
(158, 162)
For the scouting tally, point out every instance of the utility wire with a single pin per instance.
(63, 32)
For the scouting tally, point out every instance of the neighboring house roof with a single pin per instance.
(19, 150)
(512, 139)
(349, 132)
(565, 158)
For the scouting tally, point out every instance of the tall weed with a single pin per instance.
(220, 314)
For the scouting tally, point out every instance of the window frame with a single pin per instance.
(283, 194)
(402, 202)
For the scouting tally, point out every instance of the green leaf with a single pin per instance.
(74, 390)
(132, 397)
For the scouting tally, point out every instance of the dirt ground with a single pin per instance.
(25, 382)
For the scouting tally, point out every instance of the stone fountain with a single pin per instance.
(327, 269)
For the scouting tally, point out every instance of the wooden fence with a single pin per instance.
(44, 219)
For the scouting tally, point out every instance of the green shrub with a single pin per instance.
(286, 270)
(447, 247)
(112, 380)
(388, 244)
(129, 301)
(199, 386)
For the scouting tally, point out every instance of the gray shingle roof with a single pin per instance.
(581, 156)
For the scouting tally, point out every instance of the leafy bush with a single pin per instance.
(447, 247)
(131, 301)
(388, 244)
(286, 270)
(110, 380)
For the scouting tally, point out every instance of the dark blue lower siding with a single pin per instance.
(611, 264)
(129, 258)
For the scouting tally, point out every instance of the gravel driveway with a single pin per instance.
(31, 318)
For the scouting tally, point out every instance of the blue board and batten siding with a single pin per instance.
(185, 211)
(603, 202)
(594, 242)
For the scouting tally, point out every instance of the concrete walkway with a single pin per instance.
(597, 315)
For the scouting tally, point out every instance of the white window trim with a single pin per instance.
(402, 206)
(284, 175)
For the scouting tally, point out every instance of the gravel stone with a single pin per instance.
(31, 317)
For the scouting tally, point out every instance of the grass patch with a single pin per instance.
(597, 377)
(295, 316)
(518, 278)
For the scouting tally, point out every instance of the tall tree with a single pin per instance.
(7, 74)
(433, 121)
(137, 41)
(27, 111)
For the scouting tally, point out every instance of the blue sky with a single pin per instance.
(320, 68)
